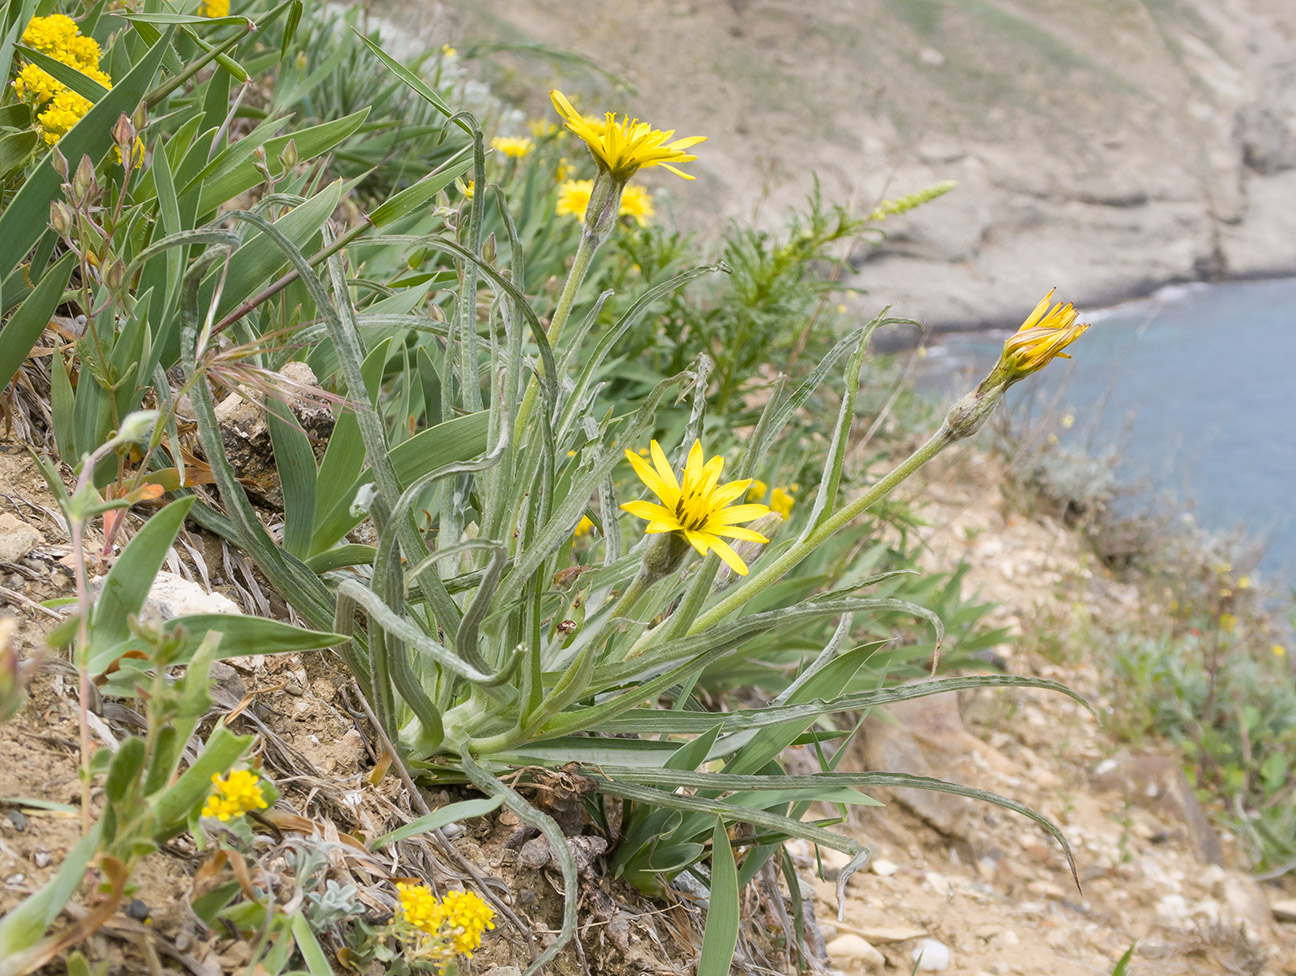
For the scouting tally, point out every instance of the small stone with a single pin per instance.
(41, 857)
(931, 956)
(884, 868)
(854, 954)
(18, 819)
(1284, 910)
(17, 538)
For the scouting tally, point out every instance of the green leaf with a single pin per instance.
(15, 148)
(128, 582)
(83, 85)
(317, 963)
(415, 83)
(723, 915)
(241, 636)
(463, 810)
(413, 197)
(27, 324)
(173, 807)
(242, 174)
(295, 465)
(27, 215)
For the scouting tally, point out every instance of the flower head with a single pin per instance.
(1041, 338)
(233, 795)
(781, 501)
(213, 8)
(453, 924)
(466, 916)
(50, 35)
(699, 508)
(62, 112)
(512, 146)
(637, 204)
(419, 907)
(622, 148)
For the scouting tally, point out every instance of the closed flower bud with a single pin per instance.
(114, 276)
(61, 218)
(489, 249)
(123, 133)
(288, 157)
(59, 162)
(84, 185)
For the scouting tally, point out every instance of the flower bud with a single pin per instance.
(123, 133)
(84, 185)
(136, 426)
(114, 276)
(489, 249)
(288, 157)
(61, 218)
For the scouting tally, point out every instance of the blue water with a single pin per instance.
(1195, 389)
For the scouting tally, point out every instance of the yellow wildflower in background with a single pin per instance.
(512, 146)
(63, 111)
(584, 527)
(757, 490)
(540, 128)
(448, 52)
(233, 795)
(623, 148)
(637, 203)
(574, 198)
(1042, 337)
(213, 8)
(701, 509)
(1279, 650)
(781, 501)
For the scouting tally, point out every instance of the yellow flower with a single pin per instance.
(1041, 338)
(1228, 622)
(622, 148)
(36, 84)
(637, 203)
(455, 923)
(701, 508)
(757, 490)
(64, 110)
(539, 128)
(466, 188)
(573, 198)
(511, 146)
(234, 795)
(213, 8)
(584, 527)
(466, 916)
(448, 52)
(81, 52)
(781, 501)
(1244, 583)
(563, 169)
(50, 35)
(419, 907)
(1279, 650)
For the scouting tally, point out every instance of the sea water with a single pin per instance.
(1193, 389)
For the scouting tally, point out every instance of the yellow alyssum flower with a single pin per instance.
(622, 148)
(233, 795)
(454, 923)
(1041, 338)
(213, 8)
(35, 84)
(757, 490)
(64, 110)
(50, 35)
(514, 146)
(466, 916)
(637, 203)
(700, 508)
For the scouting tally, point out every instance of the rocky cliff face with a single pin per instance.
(1103, 146)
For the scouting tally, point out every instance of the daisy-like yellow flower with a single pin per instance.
(637, 203)
(233, 795)
(584, 527)
(781, 501)
(516, 147)
(1041, 338)
(539, 128)
(213, 8)
(700, 509)
(622, 148)
(574, 198)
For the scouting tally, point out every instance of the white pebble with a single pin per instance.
(932, 956)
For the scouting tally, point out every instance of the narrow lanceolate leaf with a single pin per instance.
(27, 324)
(721, 935)
(463, 810)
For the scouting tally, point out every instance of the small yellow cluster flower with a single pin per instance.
(781, 501)
(59, 108)
(234, 795)
(213, 8)
(453, 924)
(1279, 650)
(514, 146)
(541, 128)
(574, 198)
(1228, 622)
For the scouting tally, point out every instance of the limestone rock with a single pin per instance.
(17, 538)
(853, 954)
